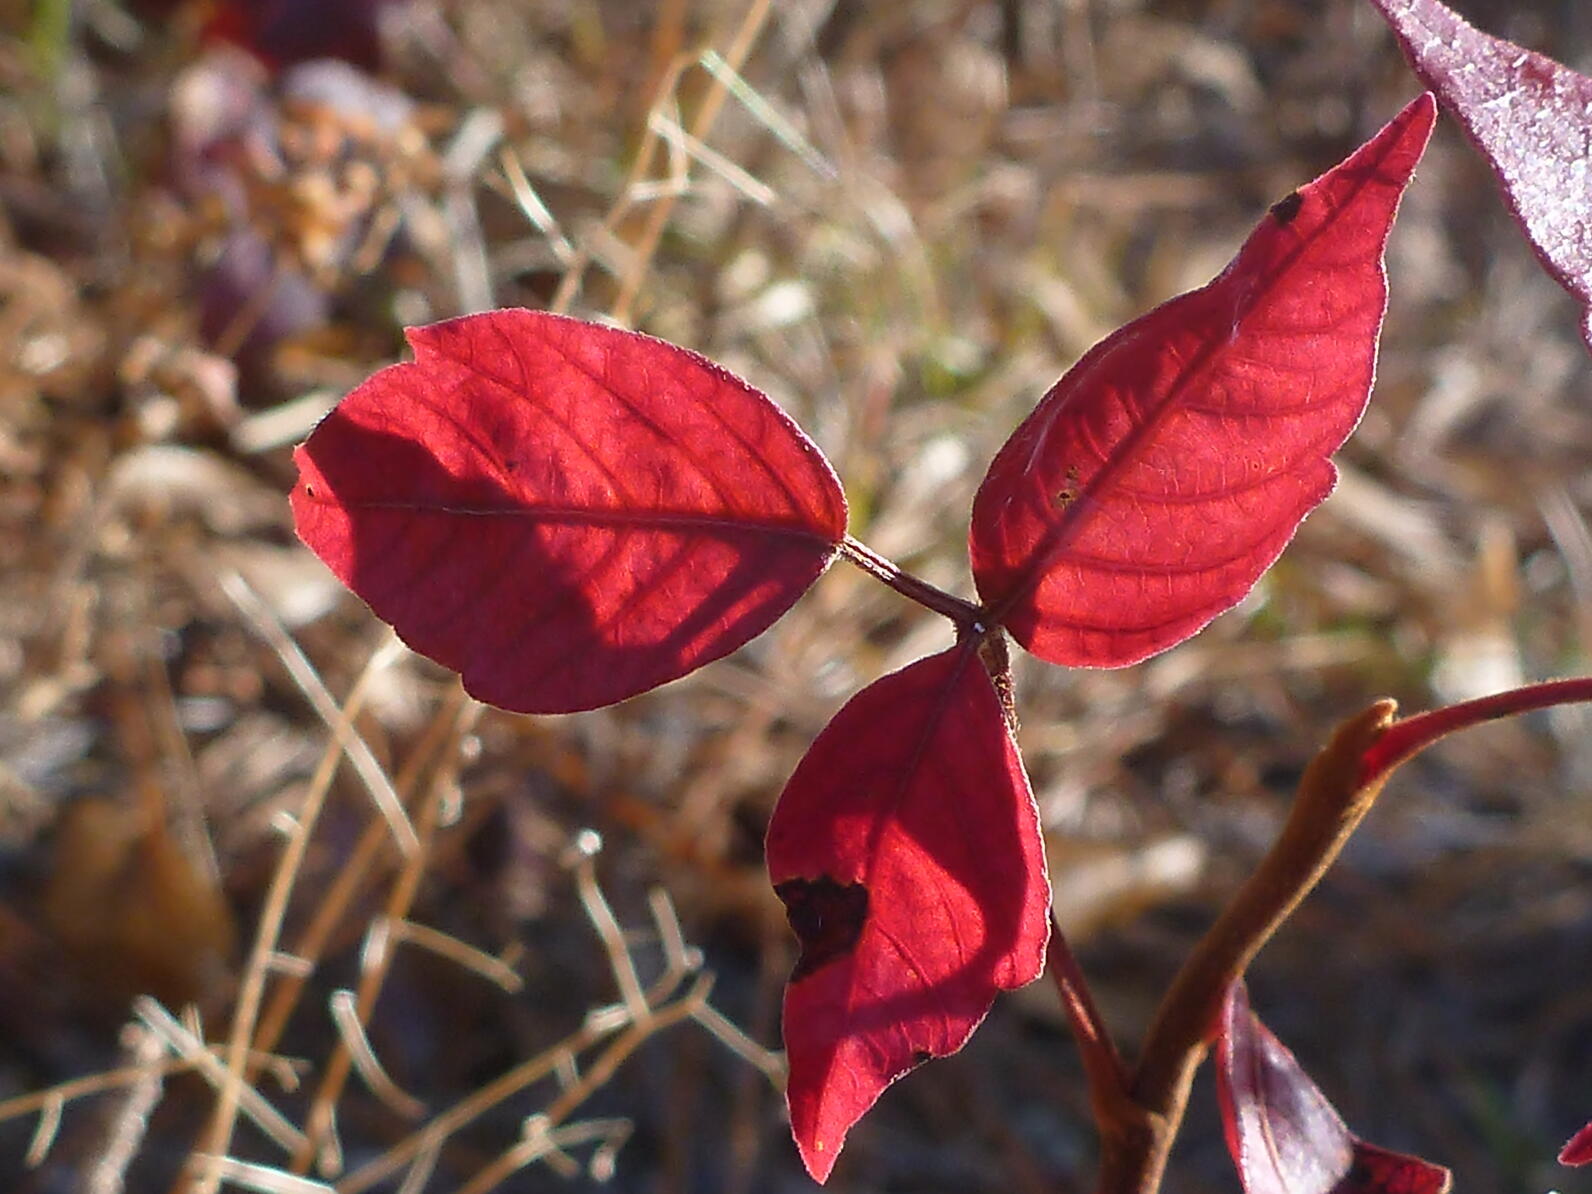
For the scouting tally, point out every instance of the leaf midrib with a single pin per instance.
(1076, 518)
(623, 519)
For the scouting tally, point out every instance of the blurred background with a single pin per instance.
(904, 221)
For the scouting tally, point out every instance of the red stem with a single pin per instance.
(1103, 1066)
(964, 613)
(1406, 738)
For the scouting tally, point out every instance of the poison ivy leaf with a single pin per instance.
(906, 848)
(1284, 1136)
(1164, 473)
(1578, 1150)
(1530, 117)
(567, 514)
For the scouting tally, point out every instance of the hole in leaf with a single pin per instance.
(1284, 210)
(826, 916)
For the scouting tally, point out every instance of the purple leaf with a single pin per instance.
(1284, 1136)
(1530, 116)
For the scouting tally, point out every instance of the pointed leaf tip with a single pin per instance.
(1284, 1137)
(906, 848)
(1531, 119)
(567, 514)
(1159, 478)
(1578, 1149)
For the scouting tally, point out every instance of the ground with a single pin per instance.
(904, 222)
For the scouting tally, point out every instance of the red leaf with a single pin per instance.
(906, 848)
(1530, 117)
(1578, 1151)
(1164, 473)
(565, 513)
(1284, 1136)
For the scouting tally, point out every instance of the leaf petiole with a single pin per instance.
(964, 613)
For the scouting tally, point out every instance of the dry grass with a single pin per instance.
(221, 787)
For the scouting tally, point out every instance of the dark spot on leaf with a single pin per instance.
(1284, 210)
(826, 916)
(919, 1056)
(1536, 72)
(1065, 497)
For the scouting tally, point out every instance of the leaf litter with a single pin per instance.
(1053, 205)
